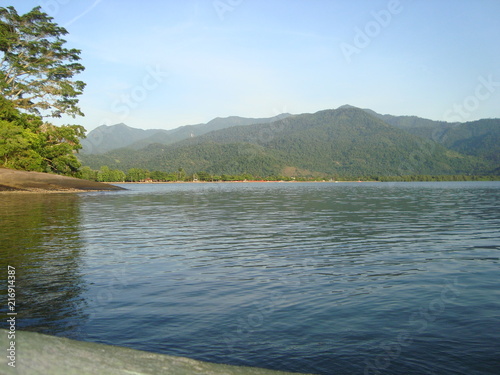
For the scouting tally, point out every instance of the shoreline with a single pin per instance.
(224, 182)
(36, 353)
(15, 181)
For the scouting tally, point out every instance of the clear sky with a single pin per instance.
(167, 63)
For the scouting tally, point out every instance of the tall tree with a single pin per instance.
(27, 143)
(36, 70)
(36, 81)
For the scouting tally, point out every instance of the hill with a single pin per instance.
(189, 131)
(477, 138)
(106, 138)
(343, 142)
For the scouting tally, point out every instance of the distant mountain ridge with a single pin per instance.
(477, 138)
(107, 138)
(345, 141)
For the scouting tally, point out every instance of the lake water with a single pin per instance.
(322, 278)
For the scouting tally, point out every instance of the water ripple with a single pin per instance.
(318, 278)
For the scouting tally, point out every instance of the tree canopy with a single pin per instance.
(36, 70)
(36, 81)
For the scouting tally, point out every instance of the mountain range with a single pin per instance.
(106, 138)
(347, 141)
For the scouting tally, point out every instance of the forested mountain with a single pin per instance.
(106, 138)
(343, 142)
(478, 138)
(189, 131)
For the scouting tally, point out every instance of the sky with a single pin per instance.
(164, 64)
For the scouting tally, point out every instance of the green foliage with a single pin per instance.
(35, 76)
(57, 146)
(105, 174)
(136, 175)
(106, 138)
(340, 144)
(87, 173)
(163, 176)
(17, 148)
(36, 70)
(477, 138)
(27, 143)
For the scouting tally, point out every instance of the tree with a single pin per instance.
(104, 174)
(88, 174)
(204, 176)
(36, 70)
(136, 175)
(16, 148)
(58, 144)
(17, 141)
(181, 176)
(36, 74)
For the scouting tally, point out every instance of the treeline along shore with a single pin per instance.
(106, 174)
(23, 181)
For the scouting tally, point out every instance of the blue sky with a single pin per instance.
(163, 64)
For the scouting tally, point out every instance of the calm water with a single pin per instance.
(322, 278)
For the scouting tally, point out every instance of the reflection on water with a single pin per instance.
(40, 237)
(317, 278)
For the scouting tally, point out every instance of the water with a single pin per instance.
(323, 278)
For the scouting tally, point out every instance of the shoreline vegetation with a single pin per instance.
(297, 181)
(18, 181)
(138, 175)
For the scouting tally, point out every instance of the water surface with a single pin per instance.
(323, 278)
